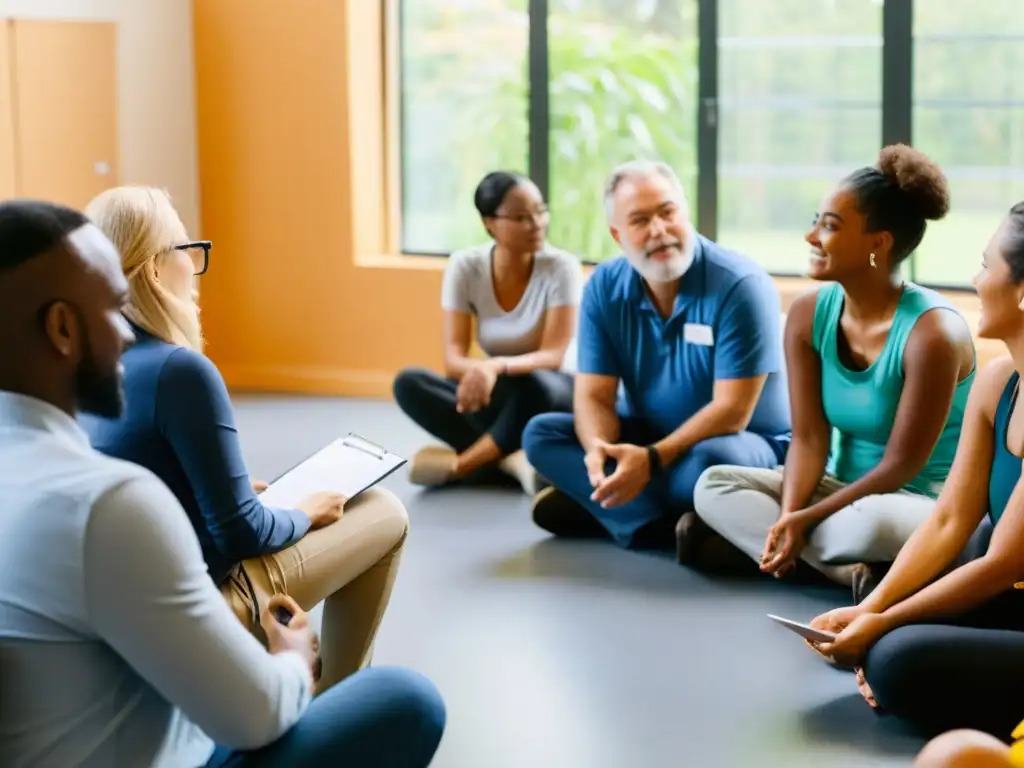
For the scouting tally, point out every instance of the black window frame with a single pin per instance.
(897, 105)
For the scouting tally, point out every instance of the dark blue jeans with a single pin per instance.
(555, 452)
(377, 718)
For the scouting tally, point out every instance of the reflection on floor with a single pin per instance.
(556, 654)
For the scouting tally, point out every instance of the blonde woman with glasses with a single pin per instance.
(179, 423)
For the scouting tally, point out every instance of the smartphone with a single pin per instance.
(805, 631)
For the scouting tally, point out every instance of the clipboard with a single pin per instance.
(349, 465)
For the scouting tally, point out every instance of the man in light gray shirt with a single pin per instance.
(116, 648)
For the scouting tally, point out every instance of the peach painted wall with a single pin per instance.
(297, 171)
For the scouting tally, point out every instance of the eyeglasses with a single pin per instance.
(537, 217)
(200, 261)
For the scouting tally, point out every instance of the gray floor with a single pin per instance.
(554, 654)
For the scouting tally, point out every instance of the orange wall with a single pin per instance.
(297, 175)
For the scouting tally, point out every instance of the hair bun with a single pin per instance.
(918, 177)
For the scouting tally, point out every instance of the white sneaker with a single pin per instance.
(516, 466)
(432, 466)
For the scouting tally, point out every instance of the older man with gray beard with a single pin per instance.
(680, 368)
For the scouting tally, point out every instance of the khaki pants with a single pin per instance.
(350, 565)
(741, 504)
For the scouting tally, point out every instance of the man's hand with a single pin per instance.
(259, 486)
(594, 461)
(296, 636)
(475, 387)
(631, 475)
(786, 540)
(323, 508)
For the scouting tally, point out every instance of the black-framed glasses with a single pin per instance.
(540, 217)
(200, 263)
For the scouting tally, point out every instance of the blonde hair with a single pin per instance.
(143, 225)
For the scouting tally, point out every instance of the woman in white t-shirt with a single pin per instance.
(523, 295)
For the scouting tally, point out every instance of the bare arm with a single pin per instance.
(559, 323)
(594, 409)
(458, 328)
(957, 514)
(932, 362)
(808, 453)
(732, 405)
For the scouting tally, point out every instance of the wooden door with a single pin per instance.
(65, 109)
(8, 186)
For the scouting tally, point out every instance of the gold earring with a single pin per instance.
(871, 261)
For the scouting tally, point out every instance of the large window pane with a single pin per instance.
(969, 117)
(464, 112)
(623, 86)
(800, 87)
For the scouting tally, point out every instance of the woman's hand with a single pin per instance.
(853, 643)
(259, 486)
(323, 508)
(838, 619)
(475, 387)
(786, 540)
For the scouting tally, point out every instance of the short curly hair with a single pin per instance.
(900, 194)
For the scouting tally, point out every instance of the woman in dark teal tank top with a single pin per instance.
(879, 374)
(942, 640)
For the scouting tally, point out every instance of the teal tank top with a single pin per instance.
(1005, 472)
(861, 405)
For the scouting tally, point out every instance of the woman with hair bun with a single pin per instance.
(523, 295)
(942, 642)
(879, 373)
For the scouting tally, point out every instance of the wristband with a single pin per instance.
(654, 460)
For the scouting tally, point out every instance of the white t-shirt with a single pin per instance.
(116, 648)
(556, 281)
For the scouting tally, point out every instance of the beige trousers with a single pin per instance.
(742, 503)
(350, 565)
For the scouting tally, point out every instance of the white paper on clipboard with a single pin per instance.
(348, 466)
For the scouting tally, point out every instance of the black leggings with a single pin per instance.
(429, 400)
(965, 674)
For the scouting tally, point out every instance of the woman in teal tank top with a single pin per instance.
(879, 373)
(941, 638)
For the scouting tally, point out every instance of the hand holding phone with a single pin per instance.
(805, 631)
(287, 628)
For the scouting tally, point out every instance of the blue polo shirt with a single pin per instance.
(726, 325)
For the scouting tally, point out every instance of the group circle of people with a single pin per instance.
(693, 416)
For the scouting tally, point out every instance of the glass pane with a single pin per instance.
(464, 113)
(969, 117)
(623, 86)
(800, 87)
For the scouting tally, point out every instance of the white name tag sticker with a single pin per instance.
(698, 334)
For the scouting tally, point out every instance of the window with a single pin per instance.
(623, 85)
(463, 113)
(800, 106)
(761, 107)
(969, 116)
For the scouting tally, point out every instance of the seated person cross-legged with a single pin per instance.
(941, 644)
(179, 423)
(116, 648)
(692, 332)
(879, 374)
(523, 294)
